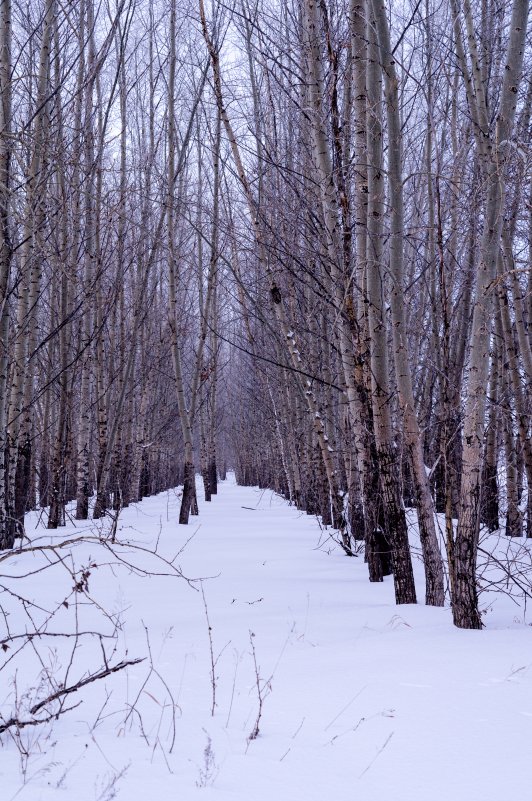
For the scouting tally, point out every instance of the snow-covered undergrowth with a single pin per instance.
(351, 696)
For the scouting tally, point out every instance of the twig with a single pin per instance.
(260, 692)
(341, 712)
(379, 752)
(232, 690)
(211, 649)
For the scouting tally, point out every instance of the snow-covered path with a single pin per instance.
(360, 699)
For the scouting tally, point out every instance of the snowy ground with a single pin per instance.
(360, 699)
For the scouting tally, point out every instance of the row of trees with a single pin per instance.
(293, 237)
(101, 289)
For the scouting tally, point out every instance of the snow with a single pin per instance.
(361, 699)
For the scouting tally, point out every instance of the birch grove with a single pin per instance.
(290, 239)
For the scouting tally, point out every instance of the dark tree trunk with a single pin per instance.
(189, 502)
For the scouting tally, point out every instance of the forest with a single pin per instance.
(285, 239)
(257, 236)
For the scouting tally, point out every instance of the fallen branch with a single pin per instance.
(83, 682)
(21, 724)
